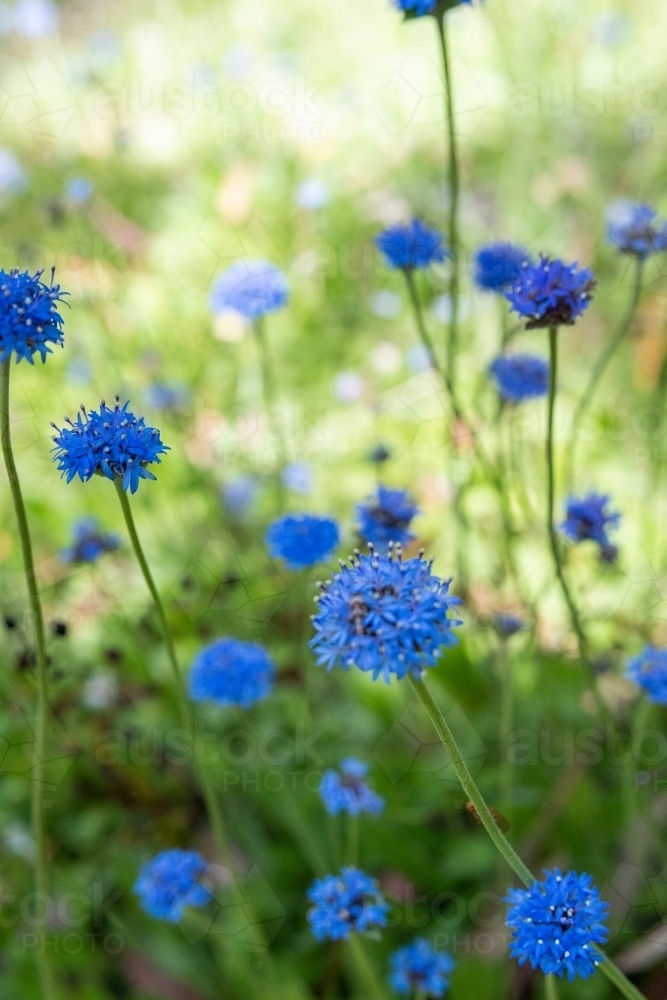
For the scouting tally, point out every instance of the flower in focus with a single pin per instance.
(29, 317)
(386, 518)
(551, 293)
(411, 246)
(302, 539)
(384, 616)
(636, 229)
(348, 792)
(171, 881)
(588, 519)
(110, 443)
(419, 968)
(520, 377)
(499, 265)
(89, 542)
(231, 672)
(557, 923)
(649, 671)
(344, 903)
(252, 288)
(507, 625)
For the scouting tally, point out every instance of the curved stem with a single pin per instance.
(365, 969)
(270, 398)
(39, 752)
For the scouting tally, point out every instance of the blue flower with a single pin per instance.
(587, 519)
(507, 625)
(252, 288)
(29, 317)
(171, 881)
(386, 518)
(110, 443)
(411, 246)
(239, 493)
(166, 395)
(298, 477)
(421, 7)
(79, 190)
(499, 265)
(379, 454)
(649, 671)
(348, 792)
(231, 672)
(418, 968)
(344, 903)
(520, 376)
(636, 229)
(89, 542)
(302, 539)
(557, 923)
(384, 616)
(551, 293)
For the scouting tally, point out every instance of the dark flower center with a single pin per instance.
(388, 519)
(358, 610)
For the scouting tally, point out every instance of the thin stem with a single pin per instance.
(421, 326)
(364, 968)
(550, 988)
(270, 400)
(506, 714)
(352, 844)
(39, 751)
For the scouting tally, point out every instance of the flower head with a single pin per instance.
(419, 968)
(231, 672)
(348, 792)
(379, 454)
(252, 288)
(417, 8)
(386, 518)
(29, 317)
(520, 377)
(110, 443)
(557, 923)
(411, 246)
(170, 882)
(649, 671)
(499, 265)
(344, 903)
(384, 616)
(588, 519)
(507, 625)
(89, 542)
(551, 293)
(302, 539)
(636, 229)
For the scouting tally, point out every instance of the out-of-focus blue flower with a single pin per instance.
(379, 454)
(298, 477)
(312, 193)
(345, 903)
(587, 518)
(348, 387)
(252, 288)
(418, 358)
(498, 265)
(507, 625)
(346, 791)
(411, 246)
(110, 443)
(89, 542)
(166, 395)
(520, 377)
(636, 229)
(649, 671)
(231, 672)
(385, 304)
(79, 372)
(33, 19)
(171, 881)
(418, 968)
(29, 317)
(302, 539)
(551, 293)
(13, 177)
(386, 517)
(239, 493)
(79, 190)
(557, 924)
(421, 7)
(384, 616)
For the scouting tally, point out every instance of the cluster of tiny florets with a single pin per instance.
(636, 229)
(346, 790)
(252, 288)
(302, 539)
(89, 542)
(232, 672)
(588, 519)
(345, 903)
(29, 317)
(520, 377)
(649, 671)
(411, 246)
(171, 881)
(498, 265)
(386, 518)
(418, 969)
(551, 293)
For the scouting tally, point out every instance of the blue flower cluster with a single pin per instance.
(89, 542)
(420, 7)
(418, 968)
(498, 265)
(171, 881)
(636, 229)
(386, 518)
(411, 246)
(649, 671)
(551, 293)
(384, 616)
(557, 924)
(231, 672)
(252, 288)
(345, 903)
(29, 317)
(302, 539)
(507, 625)
(109, 443)
(348, 792)
(520, 377)
(587, 519)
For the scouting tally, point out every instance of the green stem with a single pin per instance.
(550, 988)
(270, 400)
(39, 751)
(506, 714)
(352, 845)
(500, 841)
(365, 969)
